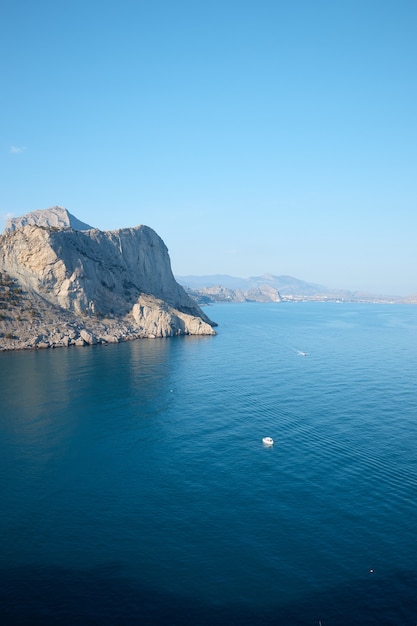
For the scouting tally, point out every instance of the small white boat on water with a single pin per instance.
(268, 441)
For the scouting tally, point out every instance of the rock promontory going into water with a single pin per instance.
(60, 277)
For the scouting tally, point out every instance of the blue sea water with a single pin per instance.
(135, 488)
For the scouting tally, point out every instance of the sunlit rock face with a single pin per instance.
(54, 217)
(122, 273)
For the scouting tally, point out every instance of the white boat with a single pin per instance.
(268, 441)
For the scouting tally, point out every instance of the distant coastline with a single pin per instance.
(270, 288)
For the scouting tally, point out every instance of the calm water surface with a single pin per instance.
(135, 488)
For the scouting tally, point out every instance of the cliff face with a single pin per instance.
(124, 274)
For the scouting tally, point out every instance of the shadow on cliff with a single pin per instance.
(41, 595)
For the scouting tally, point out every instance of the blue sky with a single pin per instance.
(254, 137)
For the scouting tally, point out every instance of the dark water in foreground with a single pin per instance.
(135, 488)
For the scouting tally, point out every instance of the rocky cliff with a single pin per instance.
(96, 280)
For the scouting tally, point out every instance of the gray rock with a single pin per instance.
(109, 339)
(88, 337)
(54, 217)
(78, 285)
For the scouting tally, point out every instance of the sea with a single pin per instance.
(136, 489)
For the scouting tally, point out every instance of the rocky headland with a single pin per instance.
(65, 283)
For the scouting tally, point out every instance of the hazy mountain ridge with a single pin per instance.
(113, 285)
(286, 285)
(268, 287)
(210, 295)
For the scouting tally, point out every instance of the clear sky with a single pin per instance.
(254, 136)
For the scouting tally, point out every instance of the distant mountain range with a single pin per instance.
(286, 285)
(269, 288)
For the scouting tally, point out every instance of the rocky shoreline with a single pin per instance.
(59, 334)
(27, 322)
(56, 333)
